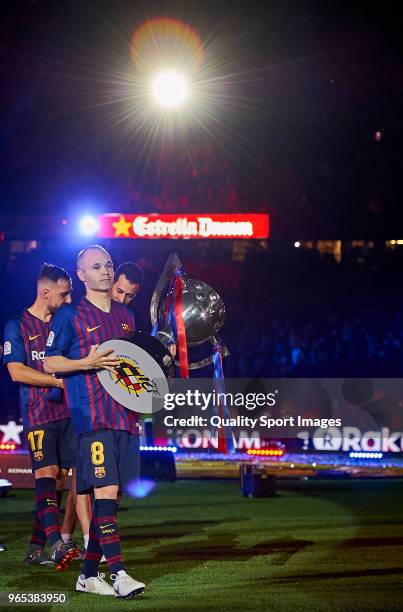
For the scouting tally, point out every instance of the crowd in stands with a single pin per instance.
(305, 316)
(205, 177)
(201, 180)
(365, 346)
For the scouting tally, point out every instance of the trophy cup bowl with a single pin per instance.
(203, 314)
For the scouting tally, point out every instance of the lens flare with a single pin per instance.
(166, 41)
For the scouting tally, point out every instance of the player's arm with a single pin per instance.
(15, 359)
(58, 344)
(22, 373)
(95, 360)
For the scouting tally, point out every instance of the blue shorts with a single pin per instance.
(107, 457)
(52, 444)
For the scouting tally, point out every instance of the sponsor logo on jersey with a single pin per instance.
(31, 338)
(37, 355)
(91, 329)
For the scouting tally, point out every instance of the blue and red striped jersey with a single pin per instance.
(74, 330)
(24, 342)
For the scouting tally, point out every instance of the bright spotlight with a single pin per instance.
(88, 225)
(169, 89)
(297, 244)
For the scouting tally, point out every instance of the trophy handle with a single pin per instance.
(196, 365)
(173, 263)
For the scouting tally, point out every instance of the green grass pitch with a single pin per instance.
(198, 545)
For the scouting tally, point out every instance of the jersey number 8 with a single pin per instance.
(97, 453)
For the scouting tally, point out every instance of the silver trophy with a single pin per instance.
(203, 312)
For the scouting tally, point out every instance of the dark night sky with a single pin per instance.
(312, 81)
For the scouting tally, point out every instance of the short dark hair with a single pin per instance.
(53, 273)
(132, 271)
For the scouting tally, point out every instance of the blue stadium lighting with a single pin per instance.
(88, 225)
(365, 455)
(169, 449)
(140, 489)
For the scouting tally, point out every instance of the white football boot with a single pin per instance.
(126, 586)
(95, 584)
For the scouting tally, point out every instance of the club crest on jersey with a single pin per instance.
(129, 376)
(100, 472)
(38, 455)
(125, 327)
(7, 348)
(51, 337)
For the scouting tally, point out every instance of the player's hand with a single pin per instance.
(59, 383)
(100, 360)
(172, 349)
